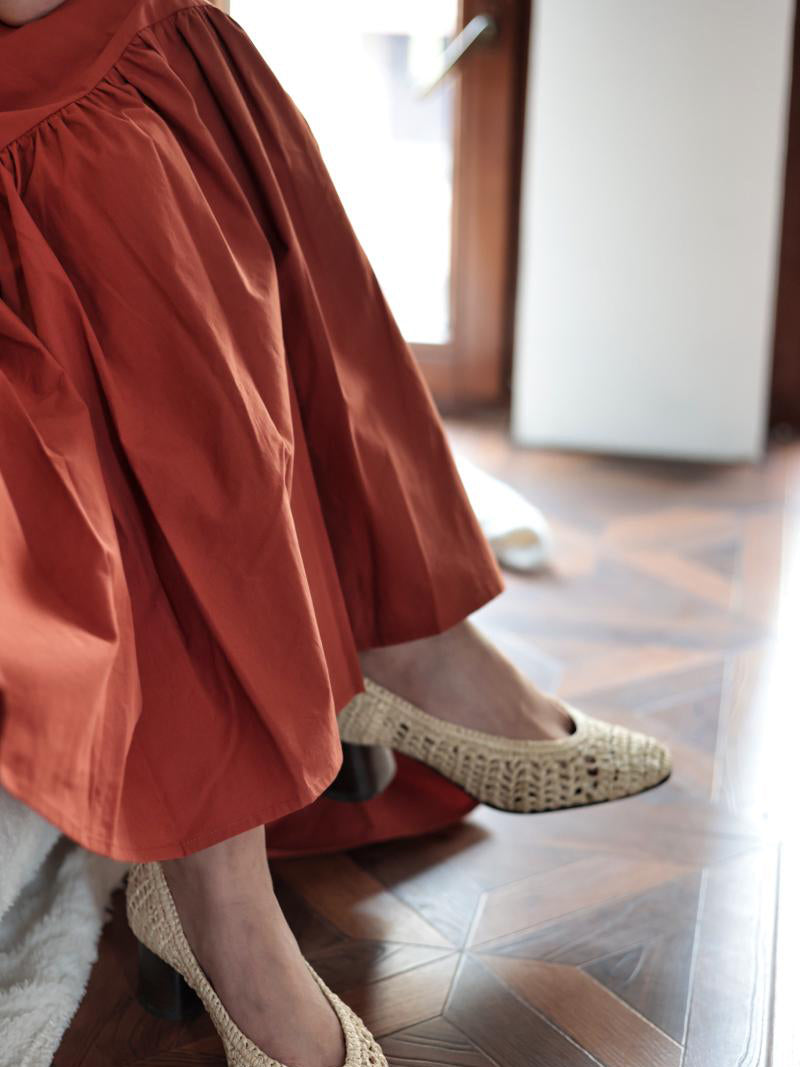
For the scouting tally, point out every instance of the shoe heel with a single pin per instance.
(163, 992)
(366, 771)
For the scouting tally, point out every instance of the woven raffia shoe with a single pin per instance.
(598, 761)
(154, 920)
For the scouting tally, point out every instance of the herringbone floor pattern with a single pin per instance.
(661, 931)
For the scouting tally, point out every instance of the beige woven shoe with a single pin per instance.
(598, 761)
(154, 920)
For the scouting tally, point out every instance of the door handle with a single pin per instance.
(480, 30)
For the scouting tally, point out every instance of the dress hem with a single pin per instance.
(218, 833)
(188, 845)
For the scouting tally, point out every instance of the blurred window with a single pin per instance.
(355, 69)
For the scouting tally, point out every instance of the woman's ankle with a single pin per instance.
(211, 887)
(238, 862)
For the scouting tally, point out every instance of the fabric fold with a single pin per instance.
(221, 468)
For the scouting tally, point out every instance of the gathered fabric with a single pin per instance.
(221, 472)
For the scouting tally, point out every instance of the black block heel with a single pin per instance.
(366, 771)
(163, 992)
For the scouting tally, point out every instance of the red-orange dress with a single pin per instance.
(220, 470)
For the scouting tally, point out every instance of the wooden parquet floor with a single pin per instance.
(660, 931)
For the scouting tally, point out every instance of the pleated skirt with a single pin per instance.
(221, 472)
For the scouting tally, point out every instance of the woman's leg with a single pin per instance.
(234, 924)
(460, 676)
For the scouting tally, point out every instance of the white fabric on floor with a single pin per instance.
(517, 530)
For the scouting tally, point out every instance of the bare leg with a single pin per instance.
(18, 12)
(459, 676)
(233, 922)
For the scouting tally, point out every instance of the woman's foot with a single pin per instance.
(241, 939)
(459, 676)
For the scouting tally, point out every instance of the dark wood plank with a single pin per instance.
(730, 1018)
(785, 386)
(433, 1044)
(587, 882)
(445, 876)
(588, 1012)
(405, 999)
(501, 1025)
(358, 963)
(641, 948)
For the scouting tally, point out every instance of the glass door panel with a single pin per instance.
(429, 180)
(356, 69)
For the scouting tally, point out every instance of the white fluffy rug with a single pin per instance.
(53, 901)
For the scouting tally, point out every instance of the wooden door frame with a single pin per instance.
(785, 386)
(474, 368)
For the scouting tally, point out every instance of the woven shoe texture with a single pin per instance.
(154, 920)
(598, 761)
